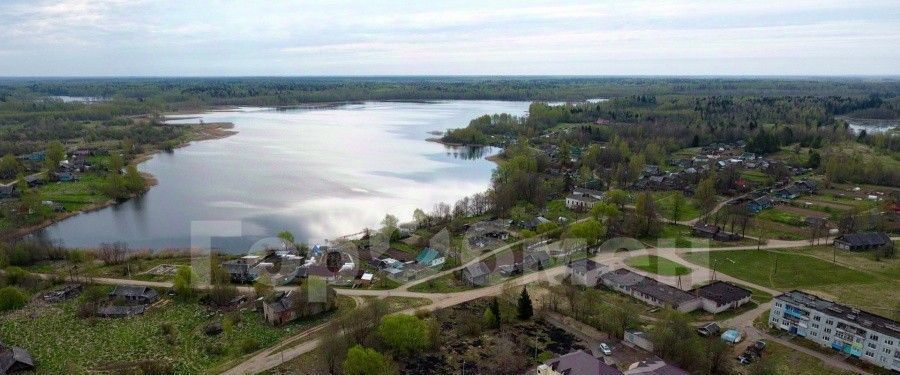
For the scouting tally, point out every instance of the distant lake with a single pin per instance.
(319, 173)
(871, 126)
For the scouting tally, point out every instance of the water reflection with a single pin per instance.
(318, 172)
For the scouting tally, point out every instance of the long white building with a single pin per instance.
(856, 333)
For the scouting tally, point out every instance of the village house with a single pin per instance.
(850, 331)
(14, 359)
(536, 260)
(583, 199)
(242, 270)
(585, 271)
(576, 363)
(862, 241)
(713, 231)
(8, 191)
(34, 180)
(649, 290)
(134, 295)
(476, 274)
(719, 296)
(299, 303)
(429, 257)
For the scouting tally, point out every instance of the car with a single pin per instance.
(605, 349)
(758, 347)
(708, 329)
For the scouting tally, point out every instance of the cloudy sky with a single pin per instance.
(210, 38)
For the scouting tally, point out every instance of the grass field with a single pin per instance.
(85, 344)
(781, 216)
(778, 270)
(784, 360)
(657, 265)
(856, 280)
(664, 201)
(75, 195)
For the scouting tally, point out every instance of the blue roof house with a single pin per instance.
(429, 257)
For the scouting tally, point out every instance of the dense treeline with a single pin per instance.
(191, 92)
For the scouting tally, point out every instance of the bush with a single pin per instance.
(12, 298)
(365, 361)
(15, 275)
(404, 333)
(249, 345)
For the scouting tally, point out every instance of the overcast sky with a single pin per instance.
(211, 38)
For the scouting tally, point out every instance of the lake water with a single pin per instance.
(319, 173)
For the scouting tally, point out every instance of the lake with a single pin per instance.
(319, 173)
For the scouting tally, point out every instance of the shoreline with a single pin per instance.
(202, 132)
(496, 158)
(209, 131)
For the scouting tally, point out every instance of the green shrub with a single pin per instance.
(249, 345)
(12, 298)
(15, 275)
(406, 334)
(365, 361)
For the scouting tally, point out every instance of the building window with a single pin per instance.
(872, 345)
(829, 322)
(873, 337)
(870, 354)
(889, 342)
(817, 318)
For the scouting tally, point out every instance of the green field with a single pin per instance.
(664, 201)
(781, 216)
(778, 270)
(85, 344)
(657, 265)
(75, 195)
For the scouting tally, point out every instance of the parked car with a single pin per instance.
(605, 349)
(746, 358)
(758, 347)
(708, 329)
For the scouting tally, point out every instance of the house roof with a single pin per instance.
(581, 363)
(622, 277)
(707, 228)
(654, 366)
(584, 265)
(722, 293)
(536, 257)
(586, 191)
(582, 198)
(477, 270)
(133, 291)
(864, 319)
(647, 286)
(427, 255)
(864, 239)
(13, 358)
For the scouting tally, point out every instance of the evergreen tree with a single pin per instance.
(495, 310)
(524, 307)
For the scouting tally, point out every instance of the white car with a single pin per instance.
(605, 349)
